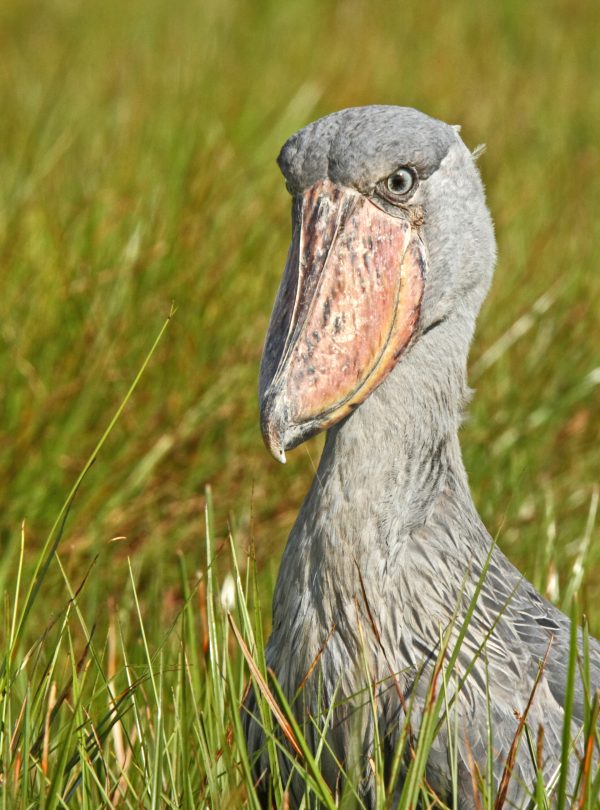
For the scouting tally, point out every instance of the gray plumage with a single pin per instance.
(388, 535)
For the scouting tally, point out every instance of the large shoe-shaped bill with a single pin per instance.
(346, 309)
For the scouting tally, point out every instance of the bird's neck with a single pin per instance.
(384, 469)
(390, 476)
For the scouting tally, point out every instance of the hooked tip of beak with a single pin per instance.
(275, 447)
(272, 431)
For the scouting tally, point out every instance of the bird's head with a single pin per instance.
(390, 237)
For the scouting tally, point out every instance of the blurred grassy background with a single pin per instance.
(137, 169)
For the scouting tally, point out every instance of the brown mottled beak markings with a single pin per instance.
(347, 307)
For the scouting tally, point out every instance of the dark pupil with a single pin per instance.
(398, 182)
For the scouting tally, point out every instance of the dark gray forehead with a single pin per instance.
(360, 146)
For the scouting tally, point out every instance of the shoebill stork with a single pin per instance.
(391, 256)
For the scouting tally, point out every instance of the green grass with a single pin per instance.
(123, 720)
(137, 145)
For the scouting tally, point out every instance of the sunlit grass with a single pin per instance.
(137, 170)
(154, 718)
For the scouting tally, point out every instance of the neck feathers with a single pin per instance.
(388, 462)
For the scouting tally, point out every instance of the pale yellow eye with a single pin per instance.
(400, 182)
